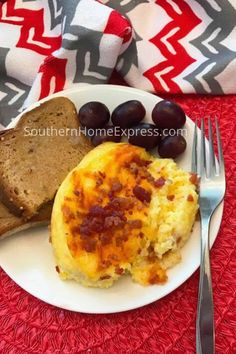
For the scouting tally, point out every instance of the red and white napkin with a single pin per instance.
(171, 46)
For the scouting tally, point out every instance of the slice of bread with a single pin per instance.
(10, 224)
(36, 156)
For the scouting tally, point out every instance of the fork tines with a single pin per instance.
(207, 165)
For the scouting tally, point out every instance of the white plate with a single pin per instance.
(27, 257)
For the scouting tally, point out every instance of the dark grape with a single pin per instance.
(107, 133)
(94, 115)
(172, 146)
(145, 135)
(128, 114)
(168, 115)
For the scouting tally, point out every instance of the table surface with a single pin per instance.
(28, 325)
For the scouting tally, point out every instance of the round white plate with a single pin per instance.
(27, 256)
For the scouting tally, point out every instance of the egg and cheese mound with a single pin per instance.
(122, 211)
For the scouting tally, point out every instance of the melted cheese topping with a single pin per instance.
(122, 211)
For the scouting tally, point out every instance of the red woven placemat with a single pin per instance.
(28, 325)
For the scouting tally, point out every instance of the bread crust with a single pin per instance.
(10, 224)
(25, 226)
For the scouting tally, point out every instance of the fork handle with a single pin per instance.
(205, 334)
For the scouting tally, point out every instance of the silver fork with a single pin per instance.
(211, 192)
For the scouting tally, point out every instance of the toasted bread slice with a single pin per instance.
(10, 224)
(36, 156)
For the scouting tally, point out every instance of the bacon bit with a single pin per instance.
(135, 224)
(150, 249)
(190, 198)
(106, 264)
(91, 225)
(102, 174)
(57, 269)
(116, 186)
(96, 210)
(139, 251)
(103, 277)
(157, 275)
(194, 179)
(100, 223)
(142, 194)
(101, 219)
(141, 235)
(90, 245)
(151, 254)
(171, 197)
(153, 279)
(133, 169)
(105, 239)
(120, 240)
(157, 278)
(77, 193)
(67, 213)
(119, 270)
(99, 181)
(141, 162)
(113, 222)
(130, 212)
(160, 182)
(111, 195)
(121, 203)
(78, 214)
(75, 230)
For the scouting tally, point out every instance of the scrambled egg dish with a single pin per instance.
(122, 211)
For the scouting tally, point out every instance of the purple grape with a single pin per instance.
(145, 135)
(94, 115)
(128, 114)
(168, 115)
(172, 146)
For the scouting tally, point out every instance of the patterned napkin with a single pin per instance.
(170, 46)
